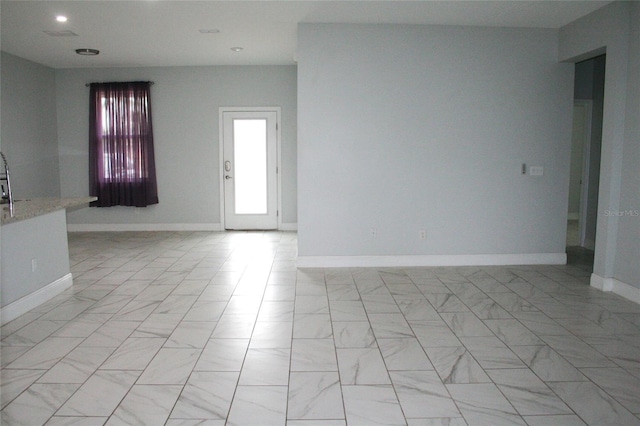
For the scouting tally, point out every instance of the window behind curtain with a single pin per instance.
(121, 161)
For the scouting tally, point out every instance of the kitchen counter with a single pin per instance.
(34, 253)
(27, 209)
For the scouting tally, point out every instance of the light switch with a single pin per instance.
(536, 170)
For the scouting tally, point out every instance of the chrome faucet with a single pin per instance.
(7, 197)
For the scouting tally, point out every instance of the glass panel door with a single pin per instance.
(249, 169)
(250, 155)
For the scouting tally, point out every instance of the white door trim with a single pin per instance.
(586, 157)
(221, 111)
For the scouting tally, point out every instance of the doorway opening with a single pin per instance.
(585, 160)
(249, 147)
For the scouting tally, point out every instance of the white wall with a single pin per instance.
(409, 127)
(615, 28)
(185, 102)
(28, 133)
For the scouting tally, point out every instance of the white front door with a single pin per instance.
(249, 169)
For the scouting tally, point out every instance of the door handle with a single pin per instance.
(227, 177)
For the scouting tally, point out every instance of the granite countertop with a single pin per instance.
(27, 209)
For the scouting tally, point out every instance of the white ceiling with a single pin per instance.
(166, 33)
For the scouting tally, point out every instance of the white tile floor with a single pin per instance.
(221, 328)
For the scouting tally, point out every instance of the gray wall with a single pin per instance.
(409, 127)
(185, 102)
(44, 239)
(627, 267)
(615, 28)
(28, 134)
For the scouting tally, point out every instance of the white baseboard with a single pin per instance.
(38, 297)
(615, 286)
(123, 227)
(431, 260)
(129, 227)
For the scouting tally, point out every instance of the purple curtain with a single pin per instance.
(121, 163)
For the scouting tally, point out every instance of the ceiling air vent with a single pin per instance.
(61, 33)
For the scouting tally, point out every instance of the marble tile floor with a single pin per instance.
(186, 328)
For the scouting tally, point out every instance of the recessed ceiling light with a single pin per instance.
(87, 52)
(209, 31)
(237, 49)
(61, 18)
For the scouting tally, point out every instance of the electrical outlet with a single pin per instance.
(422, 234)
(374, 232)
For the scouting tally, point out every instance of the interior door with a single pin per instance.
(250, 169)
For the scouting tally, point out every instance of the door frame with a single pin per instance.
(221, 111)
(586, 156)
